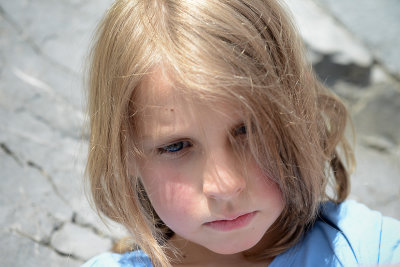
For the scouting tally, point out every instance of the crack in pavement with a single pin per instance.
(46, 243)
(30, 41)
(91, 227)
(74, 219)
(36, 166)
(10, 153)
(48, 178)
(46, 240)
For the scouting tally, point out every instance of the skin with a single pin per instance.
(192, 176)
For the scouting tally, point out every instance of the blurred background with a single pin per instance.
(45, 219)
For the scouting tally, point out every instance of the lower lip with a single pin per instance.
(229, 225)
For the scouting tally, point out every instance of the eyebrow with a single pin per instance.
(167, 138)
(160, 140)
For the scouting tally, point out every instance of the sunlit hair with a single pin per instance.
(240, 52)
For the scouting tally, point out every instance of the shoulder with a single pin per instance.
(372, 238)
(347, 234)
(130, 259)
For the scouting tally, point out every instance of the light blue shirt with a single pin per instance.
(348, 234)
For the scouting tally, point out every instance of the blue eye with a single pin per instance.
(174, 148)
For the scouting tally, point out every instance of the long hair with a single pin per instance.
(245, 52)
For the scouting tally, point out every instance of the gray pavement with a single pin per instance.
(45, 219)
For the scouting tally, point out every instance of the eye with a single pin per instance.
(241, 130)
(175, 147)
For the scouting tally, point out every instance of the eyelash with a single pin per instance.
(178, 147)
(241, 130)
(174, 148)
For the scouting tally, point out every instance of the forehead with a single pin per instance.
(158, 100)
(161, 104)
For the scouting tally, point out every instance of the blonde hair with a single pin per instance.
(245, 52)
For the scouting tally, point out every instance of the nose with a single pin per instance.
(222, 180)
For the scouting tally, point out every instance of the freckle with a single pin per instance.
(171, 109)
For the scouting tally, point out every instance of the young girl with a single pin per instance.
(213, 143)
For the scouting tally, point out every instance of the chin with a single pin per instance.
(232, 248)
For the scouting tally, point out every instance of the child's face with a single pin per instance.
(192, 177)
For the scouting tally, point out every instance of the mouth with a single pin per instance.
(229, 225)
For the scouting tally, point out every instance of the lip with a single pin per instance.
(232, 224)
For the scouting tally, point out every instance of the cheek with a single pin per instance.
(171, 192)
(266, 187)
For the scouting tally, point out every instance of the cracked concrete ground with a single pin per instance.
(45, 218)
